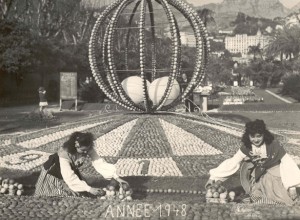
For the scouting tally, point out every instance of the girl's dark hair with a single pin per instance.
(84, 139)
(253, 127)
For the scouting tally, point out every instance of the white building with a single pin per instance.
(228, 31)
(188, 39)
(218, 53)
(240, 43)
(96, 3)
(244, 59)
(279, 27)
(269, 29)
(218, 40)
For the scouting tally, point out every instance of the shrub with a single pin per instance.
(90, 92)
(291, 86)
(52, 91)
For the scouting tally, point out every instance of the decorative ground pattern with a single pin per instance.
(170, 147)
(141, 145)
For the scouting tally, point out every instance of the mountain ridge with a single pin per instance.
(226, 11)
(257, 8)
(296, 8)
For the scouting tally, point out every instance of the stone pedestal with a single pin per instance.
(201, 100)
(204, 102)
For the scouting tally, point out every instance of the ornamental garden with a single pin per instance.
(164, 154)
(165, 158)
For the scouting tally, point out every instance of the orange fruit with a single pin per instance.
(19, 192)
(111, 188)
(223, 195)
(114, 182)
(216, 195)
(221, 190)
(125, 186)
(209, 195)
(219, 183)
(20, 186)
(232, 194)
(213, 189)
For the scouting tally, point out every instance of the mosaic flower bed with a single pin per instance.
(162, 146)
(62, 128)
(242, 91)
(219, 139)
(241, 95)
(146, 139)
(25, 207)
(262, 107)
(139, 145)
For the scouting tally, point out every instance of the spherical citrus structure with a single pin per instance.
(159, 86)
(133, 87)
(103, 58)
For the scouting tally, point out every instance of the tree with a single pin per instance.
(206, 15)
(40, 38)
(15, 48)
(217, 46)
(265, 73)
(60, 19)
(291, 86)
(244, 24)
(5, 7)
(219, 70)
(255, 50)
(286, 43)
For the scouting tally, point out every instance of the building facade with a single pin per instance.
(188, 39)
(240, 43)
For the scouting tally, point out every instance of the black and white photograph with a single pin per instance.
(150, 109)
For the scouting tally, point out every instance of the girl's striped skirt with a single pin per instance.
(269, 188)
(48, 185)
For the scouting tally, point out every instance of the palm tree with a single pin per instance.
(285, 42)
(255, 50)
(206, 15)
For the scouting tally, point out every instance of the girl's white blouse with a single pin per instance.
(289, 171)
(107, 170)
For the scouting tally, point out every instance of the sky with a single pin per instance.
(286, 3)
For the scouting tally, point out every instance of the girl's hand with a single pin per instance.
(209, 183)
(79, 162)
(96, 191)
(121, 182)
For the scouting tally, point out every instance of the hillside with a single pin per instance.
(227, 11)
(296, 8)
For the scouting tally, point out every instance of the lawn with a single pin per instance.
(277, 91)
